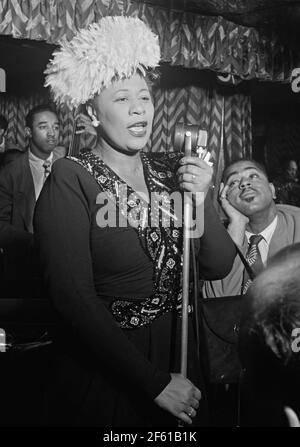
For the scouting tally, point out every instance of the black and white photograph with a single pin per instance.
(149, 217)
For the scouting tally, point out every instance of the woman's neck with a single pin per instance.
(127, 163)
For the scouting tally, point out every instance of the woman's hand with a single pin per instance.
(195, 175)
(84, 124)
(180, 397)
(237, 220)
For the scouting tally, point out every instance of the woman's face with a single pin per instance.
(125, 111)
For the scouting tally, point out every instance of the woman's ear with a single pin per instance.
(92, 114)
(28, 132)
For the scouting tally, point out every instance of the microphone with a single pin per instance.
(198, 138)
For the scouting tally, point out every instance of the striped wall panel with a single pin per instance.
(186, 39)
(193, 105)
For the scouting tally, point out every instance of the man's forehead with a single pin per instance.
(239, 167)
(45, 116)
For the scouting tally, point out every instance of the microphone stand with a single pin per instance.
(187, 221)
(187, 218)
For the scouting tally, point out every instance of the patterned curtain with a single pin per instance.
(227, 119)
(186, 39)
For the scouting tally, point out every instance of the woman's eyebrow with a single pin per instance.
(122, 90)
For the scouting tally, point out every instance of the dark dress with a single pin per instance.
(116, 292)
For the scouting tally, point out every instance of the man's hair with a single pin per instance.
(257, 164)
(38, 109)
(267, 344)
(3, 123)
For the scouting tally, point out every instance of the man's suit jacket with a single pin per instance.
(17, 202)
(287, 232)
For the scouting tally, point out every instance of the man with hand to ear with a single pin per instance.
(258, 226)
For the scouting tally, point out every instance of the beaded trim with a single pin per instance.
(163, 244)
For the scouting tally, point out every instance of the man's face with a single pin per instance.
(292, 169)
(44, 134)
(249, 190)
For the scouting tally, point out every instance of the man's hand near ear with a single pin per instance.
(237, 221)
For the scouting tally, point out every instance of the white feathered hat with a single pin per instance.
(114, 48)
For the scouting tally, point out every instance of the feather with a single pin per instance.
(115, 47)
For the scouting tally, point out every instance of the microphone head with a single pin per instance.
(198, 136)
(202, 138)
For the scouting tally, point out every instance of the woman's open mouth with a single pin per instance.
(138, 129)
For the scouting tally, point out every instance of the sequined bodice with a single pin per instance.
(156, 226)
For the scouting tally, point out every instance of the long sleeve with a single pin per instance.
(62, 231)
(217, 250)
(229, 286)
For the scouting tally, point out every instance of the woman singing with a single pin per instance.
(112, 266)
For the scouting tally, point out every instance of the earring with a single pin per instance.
(95, 122)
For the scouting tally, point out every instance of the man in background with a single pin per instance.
(21, 182)
(287, 184)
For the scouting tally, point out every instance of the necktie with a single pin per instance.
(47, 168)
(254, 260)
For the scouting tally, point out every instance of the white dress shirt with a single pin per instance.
(38, 171)
(264, 244)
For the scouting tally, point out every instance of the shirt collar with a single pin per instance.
(267, 233)
(36, 160)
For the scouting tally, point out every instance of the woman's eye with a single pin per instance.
(254, 175)
(145, 98)
(121, 99)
